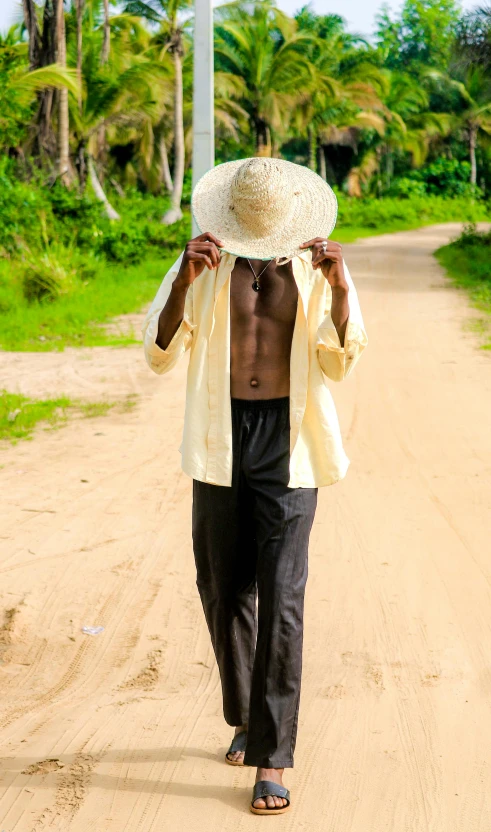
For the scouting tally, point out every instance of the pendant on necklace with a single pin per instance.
(256, 286)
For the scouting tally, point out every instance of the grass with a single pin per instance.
(20, 415)
(369, 217)
(352, 234)
(78, 319)
(467, 262)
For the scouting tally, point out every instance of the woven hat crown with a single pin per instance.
(261, 196)
(264, 208)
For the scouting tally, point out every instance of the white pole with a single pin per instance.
(203, 104)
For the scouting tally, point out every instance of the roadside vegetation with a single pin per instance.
(78, 316)
(96, 134)
(468, 263)
(20, 415)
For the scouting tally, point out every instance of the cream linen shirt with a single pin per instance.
(317, 456)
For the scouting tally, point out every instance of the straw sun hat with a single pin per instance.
(264, 208)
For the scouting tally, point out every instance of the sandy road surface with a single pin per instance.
(123, 732)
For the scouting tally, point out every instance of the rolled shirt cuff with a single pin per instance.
(151, 333)
(328, 338)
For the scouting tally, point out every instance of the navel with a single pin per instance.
(254, 382)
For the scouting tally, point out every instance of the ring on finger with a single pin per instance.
(324, 246)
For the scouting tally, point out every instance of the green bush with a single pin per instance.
(33, 215)
(468, 263)
(415, 211)
(472, 238)
(46, 278)
(443, 177)
(406, 188)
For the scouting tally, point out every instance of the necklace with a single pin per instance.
(256, 285)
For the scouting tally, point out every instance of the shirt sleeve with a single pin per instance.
(338, 362)
(159, 360)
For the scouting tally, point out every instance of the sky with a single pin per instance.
(359, 14)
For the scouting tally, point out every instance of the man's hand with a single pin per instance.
(199, 253)
(328, 256)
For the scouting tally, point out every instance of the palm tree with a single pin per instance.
(106, 43)
(473, 42)
(407, 126)
(118, 96)
(41, 30)
(475, 117)
(20, 85)
(170, 39)
(64, 170)
(328, 47)
(262, 46)
(346, 103)
(31, 24)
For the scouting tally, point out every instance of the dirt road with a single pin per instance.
(122, 731)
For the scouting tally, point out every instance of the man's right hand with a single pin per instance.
(199, 253)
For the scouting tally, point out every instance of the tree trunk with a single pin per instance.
(80, 12)
(63, 119)
(81, 163)
(472, 153)
(117, 187)
(106, 43)
(30, 22)
(312, 148)
(263, 137)
(43, 136)
(322, 163)
(389, 168)
(106, 48)
(175, 213)
(164, 159)
(99, 191)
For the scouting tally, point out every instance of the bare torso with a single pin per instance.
(262, 325)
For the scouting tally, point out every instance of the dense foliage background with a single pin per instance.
(96, 133)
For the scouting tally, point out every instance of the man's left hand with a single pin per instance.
(328, 257)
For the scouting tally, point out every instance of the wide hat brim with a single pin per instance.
(313, 213)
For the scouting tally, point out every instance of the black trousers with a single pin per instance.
(250, 541)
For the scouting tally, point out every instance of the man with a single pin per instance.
(265, 325)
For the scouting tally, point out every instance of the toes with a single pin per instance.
(271, 802)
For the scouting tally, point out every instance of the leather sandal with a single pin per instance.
(266, 788)
(238, 743)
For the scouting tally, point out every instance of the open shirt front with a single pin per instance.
(317, 456)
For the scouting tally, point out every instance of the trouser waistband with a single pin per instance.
(260, 404)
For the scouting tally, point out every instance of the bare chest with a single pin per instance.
(276, 300)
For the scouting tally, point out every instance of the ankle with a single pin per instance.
(268, 773)
(240, 728)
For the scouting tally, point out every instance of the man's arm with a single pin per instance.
(199, 253)
(168, 326)
(341, 337)
(340, 310)
(170, 318)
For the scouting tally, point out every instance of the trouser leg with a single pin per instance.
(225, 555)
(283, 521)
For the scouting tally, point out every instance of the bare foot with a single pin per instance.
(238, 756)
(270, 802)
